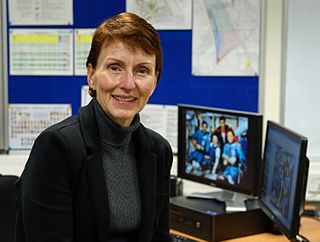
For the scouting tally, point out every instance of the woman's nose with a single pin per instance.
(128, 81)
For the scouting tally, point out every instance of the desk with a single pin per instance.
(310, 228)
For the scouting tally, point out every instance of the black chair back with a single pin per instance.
(7, 207)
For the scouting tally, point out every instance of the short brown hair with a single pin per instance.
(131, 30)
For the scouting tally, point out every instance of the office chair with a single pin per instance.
(7, 207)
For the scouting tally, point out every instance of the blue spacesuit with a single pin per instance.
(236, 157)
(202, 140)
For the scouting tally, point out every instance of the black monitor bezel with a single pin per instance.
(257, 146)
(300, 190)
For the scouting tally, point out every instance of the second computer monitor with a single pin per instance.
(284, 177)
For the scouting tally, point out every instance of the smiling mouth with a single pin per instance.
(124, 99)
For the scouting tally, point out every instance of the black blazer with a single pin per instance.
(62, 194)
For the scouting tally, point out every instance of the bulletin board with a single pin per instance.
(177, 85)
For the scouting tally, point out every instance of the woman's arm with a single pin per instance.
(162, 228)
(44, 205)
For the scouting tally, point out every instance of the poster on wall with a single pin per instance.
(165, 14)
(164, 120)
(27, 121)
(226, 37)
(41, 52)
(82, 44)
(85, 96)
(40, 12)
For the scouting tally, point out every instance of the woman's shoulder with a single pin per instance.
(158, 142)
(155, 136)
(62, 138)
(65, 125)
(66, 129)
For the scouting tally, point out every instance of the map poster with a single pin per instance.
(226, 37)
(164, 14)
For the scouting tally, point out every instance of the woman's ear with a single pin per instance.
(90, 77)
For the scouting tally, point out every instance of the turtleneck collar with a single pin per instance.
(110, 132)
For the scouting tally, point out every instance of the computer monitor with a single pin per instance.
(221, 148)
(284, 177)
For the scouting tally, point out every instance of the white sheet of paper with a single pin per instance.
(41, 12)
(27, 121)
(82, 44)
(162, 119)
(85, 97)
(41, 52)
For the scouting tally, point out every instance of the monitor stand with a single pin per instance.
(233, 201)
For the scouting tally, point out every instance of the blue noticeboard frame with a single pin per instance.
(177, 85)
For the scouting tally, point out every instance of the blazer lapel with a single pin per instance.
(96, 179)
(97, 186)
(146, 167)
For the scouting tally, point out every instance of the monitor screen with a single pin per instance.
(220, 147)
(283, 180)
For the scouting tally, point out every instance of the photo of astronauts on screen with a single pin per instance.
(216, 146)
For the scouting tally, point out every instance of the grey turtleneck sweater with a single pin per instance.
(120, 172)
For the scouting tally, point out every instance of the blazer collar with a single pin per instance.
(94, 166)
(89, 128)
(146, 161)
(146, 167)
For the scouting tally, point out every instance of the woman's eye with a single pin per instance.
(143, 71)
(115, 68)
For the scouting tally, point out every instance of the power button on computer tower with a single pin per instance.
(198, 225)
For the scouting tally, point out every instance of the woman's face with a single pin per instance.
(124, 80)
(230, 137)
(215, 140)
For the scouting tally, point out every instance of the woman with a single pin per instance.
(233, 158)
(101, 175)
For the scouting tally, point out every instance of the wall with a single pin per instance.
(301, 71)
(289, 83)
(272, 68)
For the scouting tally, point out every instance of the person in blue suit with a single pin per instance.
(233, 158)
(101, 176)
(215, 153)
(201, 142)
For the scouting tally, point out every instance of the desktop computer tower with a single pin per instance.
(207, 219)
